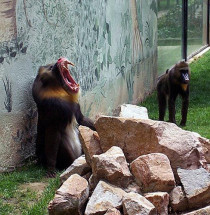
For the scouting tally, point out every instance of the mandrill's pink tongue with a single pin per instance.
(65, 73)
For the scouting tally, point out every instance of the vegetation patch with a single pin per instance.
(26, 191)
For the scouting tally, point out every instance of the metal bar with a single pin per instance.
(184, 28)
(208, 5)
(197, 52)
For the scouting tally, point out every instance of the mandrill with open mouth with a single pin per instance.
(56, 94)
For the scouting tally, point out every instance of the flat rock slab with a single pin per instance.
(196, 185)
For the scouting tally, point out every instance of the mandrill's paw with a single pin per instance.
(182, 124)
(51, 173)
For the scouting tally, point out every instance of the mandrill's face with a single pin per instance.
(57, 81)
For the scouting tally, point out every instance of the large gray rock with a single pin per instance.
(134, 203)
(112, 167)
(196, 185)
(79, 166)
(104, 197)
(71, 197)
(139, 137)
(153, 172)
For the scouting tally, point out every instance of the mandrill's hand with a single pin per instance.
(51, 173)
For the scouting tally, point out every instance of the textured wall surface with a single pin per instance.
(113, 44)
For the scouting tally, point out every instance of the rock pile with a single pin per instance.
(136, 166)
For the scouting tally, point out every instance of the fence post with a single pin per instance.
(184, 28)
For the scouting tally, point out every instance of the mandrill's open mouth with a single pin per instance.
(62, 64)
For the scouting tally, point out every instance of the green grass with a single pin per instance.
(199, 108)
(16, 200)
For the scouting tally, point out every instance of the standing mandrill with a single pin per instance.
(175, 81)
(56, 95)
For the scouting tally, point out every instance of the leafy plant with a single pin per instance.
(8, 90)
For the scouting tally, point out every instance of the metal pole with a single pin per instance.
(184, 28)
(208, 5)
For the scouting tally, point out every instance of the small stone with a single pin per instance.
(104, 197)
(113, 211)
(160, 200)
(71, 197)
(132, 111)
(112, 167)
(134, 203)
(90, 143)
(178, 201)
(153, 172)
(79, 166)
(133, 187)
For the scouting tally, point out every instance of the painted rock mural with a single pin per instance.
(113, 44)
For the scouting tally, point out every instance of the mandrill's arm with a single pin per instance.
(82, 120)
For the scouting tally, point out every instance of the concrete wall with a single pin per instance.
(113, 44)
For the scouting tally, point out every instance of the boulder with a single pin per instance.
(79, 166)
(139, 137)
(111, 166)
(196, 184)
(71, 197)
(90, 143)
(202, 211)
(134, 203)
(178, 201)
(131, 111)
(104, 197)
(160, 200)
(153, 172)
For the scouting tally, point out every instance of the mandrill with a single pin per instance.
(173, 83)
(56, 95)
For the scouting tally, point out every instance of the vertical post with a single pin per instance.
(184, 28)
(206, 22)
(208, 11)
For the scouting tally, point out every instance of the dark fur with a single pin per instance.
(169, 86)
(53, 148)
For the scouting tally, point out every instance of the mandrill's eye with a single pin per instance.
(51, 67)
